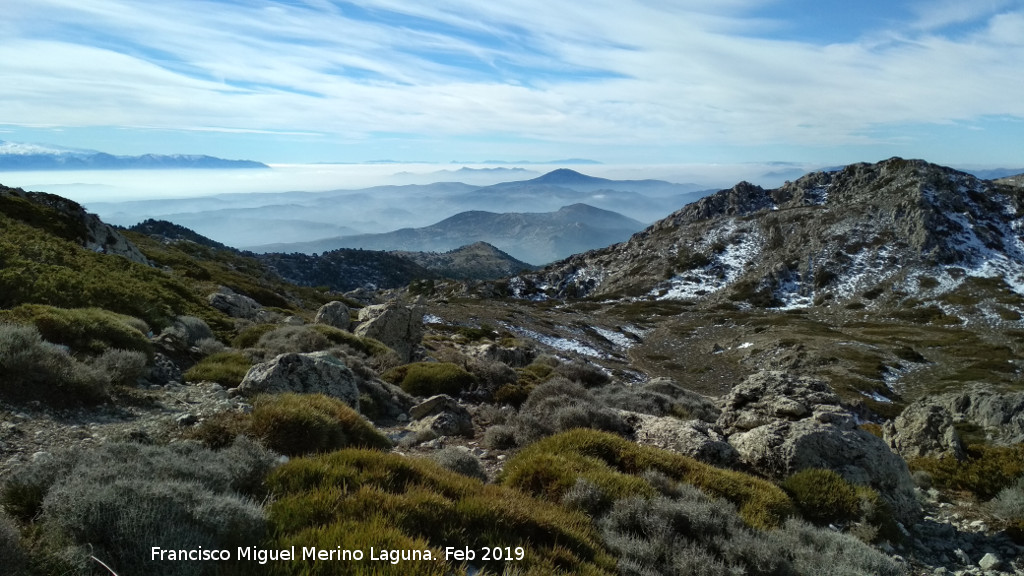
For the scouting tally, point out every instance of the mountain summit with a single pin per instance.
(894, 227)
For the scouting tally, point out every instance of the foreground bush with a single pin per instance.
(559, 405)
(361, 498)
(552, 466)
(83, 330)
(226, 368)
(1008, 507)
(33, 369)
(986, 471)
(430, 378)
(117, 501)
(12, 557)
(297, 424)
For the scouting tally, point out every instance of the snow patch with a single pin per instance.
(556, 342)
(724, 269)
(617, 338)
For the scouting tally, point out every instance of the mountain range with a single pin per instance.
(19, 156)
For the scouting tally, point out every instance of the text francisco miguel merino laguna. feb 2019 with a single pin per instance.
(313, 554)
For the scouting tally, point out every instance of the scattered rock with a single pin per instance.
(924, 429)
(163, 370)
(334, 314)
(693, 438)
(399, 327)
(990, 562)
(315, 373)
(234, 305)
(443, 416)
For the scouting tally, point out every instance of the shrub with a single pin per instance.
(1008, 507)
(659, 397)
(296, 424)
(32, 369)
(186, 332)
(12, 557)
(823, 496)
(286, 339)
(586, 374)
(226, 368)
(361, 498)
(559, 405)
(83, 330)
(250, 336)
(551, 466)
(499, 437)
(460, 461)
(124, 367)
(986, 471)
(430, 378)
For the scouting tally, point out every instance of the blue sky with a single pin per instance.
(618, 81)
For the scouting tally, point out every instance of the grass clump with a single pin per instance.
(34, 369)
(823, 496)
(226, 368)
(297, 424)
(360, 498)
(550, 467)
(985, 472)
(430, 378)
(83, 330)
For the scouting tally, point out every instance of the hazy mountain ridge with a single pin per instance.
(17, 156)
(478, 261)
(527, 236)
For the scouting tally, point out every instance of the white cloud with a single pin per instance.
(689, 72)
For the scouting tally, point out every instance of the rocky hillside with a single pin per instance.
(477, 261)
(872, 231)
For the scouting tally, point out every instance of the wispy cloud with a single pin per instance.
(629, 71)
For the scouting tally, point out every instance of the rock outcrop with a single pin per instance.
(334, 314)
(781, 424)
(315, 373)
(398, 326)
(694, 438)
(924, 430)
(441, 415)
(233, 304)
(1001, 415)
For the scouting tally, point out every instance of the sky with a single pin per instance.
(616, 81)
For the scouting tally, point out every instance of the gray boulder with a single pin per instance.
(398, 327)
(233, 304)
(514, 356)
(1000, 414)
(694, 438)
(924, 429)
(334, 314)
(316, 373)
(781, 424)
(441, 415)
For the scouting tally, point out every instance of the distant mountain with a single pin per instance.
(19, 156)
(478, 261)
(573, 180)
(169, 231)
(530, 237)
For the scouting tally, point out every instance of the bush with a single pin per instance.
(83, 330)
(499, 437)
(460, 461)
(32, 369)
(287, 339)
(986, 471)
(12, 557)
(659, 397)
(430, 378)
(823, 496)
(186, 332)
(297, 424)
(360, 498)
(226, 368)
(122, 498)
(559, 405)
(589, 375)
(1008, 507)
(550, 467)
(250, 336)
(124, 367)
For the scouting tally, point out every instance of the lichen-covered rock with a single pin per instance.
(781, 424)
(316, 373)
(924, 430)
(399, 327)
(233, 304)
(1001, 415)
(694, 438)
(334, 314)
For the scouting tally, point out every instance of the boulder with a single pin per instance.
(399, 327)
(694, 438)
(334, 314)
(315, 373)
(233, 304)
(514, 356)
(441, 415)
(781, 424)
(163, 370)
(1001, 415)
(924, 430)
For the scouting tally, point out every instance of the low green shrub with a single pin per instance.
(986, 471)
(297, 424)
(430, 378)
(33, 369)
(124, 367)
(550, 467)
(12, 557)
(460, 461)
(226, 368)
(823, 496)
(250, 336)
(361, 498)
(558, 405)
(83, 330)
(287, 339)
